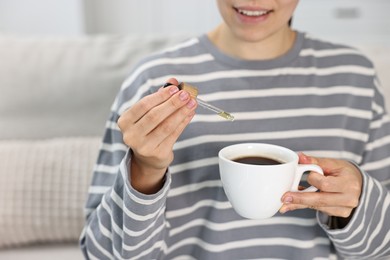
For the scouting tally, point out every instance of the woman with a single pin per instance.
(163, 197)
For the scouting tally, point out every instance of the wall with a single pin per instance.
(42, 17)
(151, 16)
(350, 21)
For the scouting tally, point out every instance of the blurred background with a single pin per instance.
(348, 21)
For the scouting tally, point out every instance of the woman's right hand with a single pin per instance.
(150, 128)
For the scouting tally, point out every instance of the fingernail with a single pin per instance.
(305, 158)
(184, 95)
(173, 90)
(287, 199)
(191, 103)
(283, 210)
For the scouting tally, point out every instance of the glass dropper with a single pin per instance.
(217, 110)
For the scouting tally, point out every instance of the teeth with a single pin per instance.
(252, 13)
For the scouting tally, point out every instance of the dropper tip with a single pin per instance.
(227, 116)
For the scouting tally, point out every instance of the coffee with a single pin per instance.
(257, 160)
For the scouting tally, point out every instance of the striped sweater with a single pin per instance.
(320, 98)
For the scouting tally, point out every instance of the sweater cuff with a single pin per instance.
(157, 199)
(366, 236)
(328, 222)
(362, 237)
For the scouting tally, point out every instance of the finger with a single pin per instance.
(331, 211)
(173, 125)
(142, 107)
(173, 81)
(171, 139)
(304, 159)
(337, 181)
(320, 199)
(291, 207)
(160, 149)
(134, 129)
(325, 183)
(326, 164)
(156, 118)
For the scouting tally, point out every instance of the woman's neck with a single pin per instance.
(270, 47)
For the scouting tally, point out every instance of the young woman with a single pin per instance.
(158, 167)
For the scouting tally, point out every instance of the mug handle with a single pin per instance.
(302, 168)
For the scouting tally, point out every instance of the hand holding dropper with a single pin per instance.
(194, 93)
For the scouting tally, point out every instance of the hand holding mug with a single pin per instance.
(255, 176)
(340, 186)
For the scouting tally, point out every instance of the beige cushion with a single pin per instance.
(43, 189)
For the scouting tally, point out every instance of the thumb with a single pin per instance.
(173, 81)
(305, 159)
(327, 165)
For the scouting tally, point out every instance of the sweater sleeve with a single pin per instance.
(122, 223)
(367, 235)
(125, 224)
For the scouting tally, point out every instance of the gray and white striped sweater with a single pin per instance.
(320, 98)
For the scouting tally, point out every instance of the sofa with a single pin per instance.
(56, 94)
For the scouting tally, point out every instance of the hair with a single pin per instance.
(290, 22)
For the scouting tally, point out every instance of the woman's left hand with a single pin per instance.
(339, 188)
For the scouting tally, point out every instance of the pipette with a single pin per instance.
(193, 91)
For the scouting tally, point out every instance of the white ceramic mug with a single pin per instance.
(255, 191)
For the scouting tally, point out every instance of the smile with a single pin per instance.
(253, 13)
